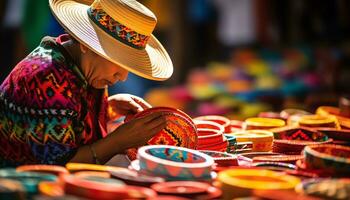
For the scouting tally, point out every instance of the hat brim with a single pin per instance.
(152, 63)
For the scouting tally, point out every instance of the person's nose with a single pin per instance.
(123, 75)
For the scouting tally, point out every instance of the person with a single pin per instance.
(54, 105)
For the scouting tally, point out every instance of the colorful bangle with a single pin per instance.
(221, 158)
(262, 140)
(344, 122)
(241, 182)
(232, 142)
(132, 177)
(317, 172)
(260, 123)
(327, 111)
(175, 163)
(287, 113)
(272, 115)
(251, 155)
(336, 134)
(344, 106)
(318, 121)
(277, 194)
(293, 147)
(334, 159)
(292, 140)
(275, 166)
(244, 147)
(209, 137)
(223, 121)
(84, 174)
(236, 124)
(301, 174)
(325, 188)
(279, 158)
(49, 169)
(11, 189)
(51, 189)
(29, 180)
(103, 188)
(222, 147)
(298, 133)
(189, 189)
(200, 124)
(76, 167)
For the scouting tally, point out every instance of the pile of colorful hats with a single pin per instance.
(291, 154)
(211, 131)
(254, 81)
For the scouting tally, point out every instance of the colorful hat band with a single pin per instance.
(115, 29)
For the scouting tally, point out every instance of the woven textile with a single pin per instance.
(47, 110)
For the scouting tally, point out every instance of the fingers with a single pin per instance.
(130, 107)
(149, 118)
(154, 130)
(159, 121)
(141, 102)
(126, 103)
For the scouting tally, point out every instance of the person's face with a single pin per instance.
(99, 71)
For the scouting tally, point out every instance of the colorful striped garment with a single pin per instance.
(47, 109)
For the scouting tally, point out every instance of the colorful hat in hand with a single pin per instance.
(180, 130)
(119, 31)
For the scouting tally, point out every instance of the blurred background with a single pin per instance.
(231, 57)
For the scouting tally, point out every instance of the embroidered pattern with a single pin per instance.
(45, 114)
(116, 29)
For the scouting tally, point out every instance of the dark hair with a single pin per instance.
(71, 37)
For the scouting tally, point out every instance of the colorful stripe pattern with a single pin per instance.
(47, 110)
(117, 30)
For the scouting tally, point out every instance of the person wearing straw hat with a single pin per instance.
(54, 105)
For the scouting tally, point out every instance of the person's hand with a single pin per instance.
(125, 104)
(138, 131)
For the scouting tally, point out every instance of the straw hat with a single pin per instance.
(118, 30)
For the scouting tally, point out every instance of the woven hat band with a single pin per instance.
(115, 29)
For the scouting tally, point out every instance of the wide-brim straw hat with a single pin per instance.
(119, 31)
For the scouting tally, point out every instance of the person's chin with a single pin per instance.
(99, 84)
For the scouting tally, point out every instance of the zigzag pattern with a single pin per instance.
(44, 113)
